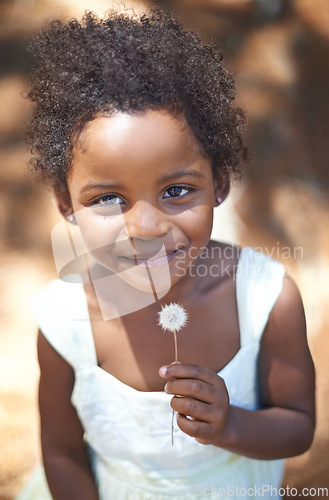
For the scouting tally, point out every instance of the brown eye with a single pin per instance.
(176, 192)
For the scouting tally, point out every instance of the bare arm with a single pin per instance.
(64, 452)
(284, 426)
(286, 422)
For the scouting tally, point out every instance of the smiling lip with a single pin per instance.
(155, 262)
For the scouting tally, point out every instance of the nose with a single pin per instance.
(145, 221)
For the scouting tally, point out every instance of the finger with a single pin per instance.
(192, 388)
(179, 370)
(194, 428)
(192, 408)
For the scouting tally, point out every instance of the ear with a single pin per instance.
(64, 205)
(221, 191)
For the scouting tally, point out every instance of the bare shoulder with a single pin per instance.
(285, 363)
(53, 368)
(287, 320)
(224, 255)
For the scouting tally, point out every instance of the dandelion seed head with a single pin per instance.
(172, 317)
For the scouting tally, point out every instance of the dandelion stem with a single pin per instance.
(175, 338)
(173, 412)
(173, 317)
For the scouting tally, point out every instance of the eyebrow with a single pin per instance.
(182, 173)
(90, 187)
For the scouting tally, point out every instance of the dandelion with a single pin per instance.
(173, 317)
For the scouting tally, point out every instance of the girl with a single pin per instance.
(135, 130)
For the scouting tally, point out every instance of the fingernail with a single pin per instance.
(163, 370)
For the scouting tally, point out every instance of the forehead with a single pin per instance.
(133, 151)
(138, 135)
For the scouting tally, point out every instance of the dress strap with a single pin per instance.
(62, 314)
(259, 281)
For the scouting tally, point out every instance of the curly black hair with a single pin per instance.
(129, 64)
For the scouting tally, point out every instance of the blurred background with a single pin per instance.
(278, 51)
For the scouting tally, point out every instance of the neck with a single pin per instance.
(112, 301)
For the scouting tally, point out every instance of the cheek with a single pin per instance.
(197, 224)
(100, 234)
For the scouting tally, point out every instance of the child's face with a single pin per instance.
(144, 192)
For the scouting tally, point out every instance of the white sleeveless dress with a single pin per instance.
(128, 431)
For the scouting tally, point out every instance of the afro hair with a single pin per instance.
(128, 63)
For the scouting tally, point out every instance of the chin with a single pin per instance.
(122, 293)
(156, 281)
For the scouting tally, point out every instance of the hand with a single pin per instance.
(201, 394)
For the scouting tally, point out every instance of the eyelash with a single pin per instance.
(188, 189)
(100, 201)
